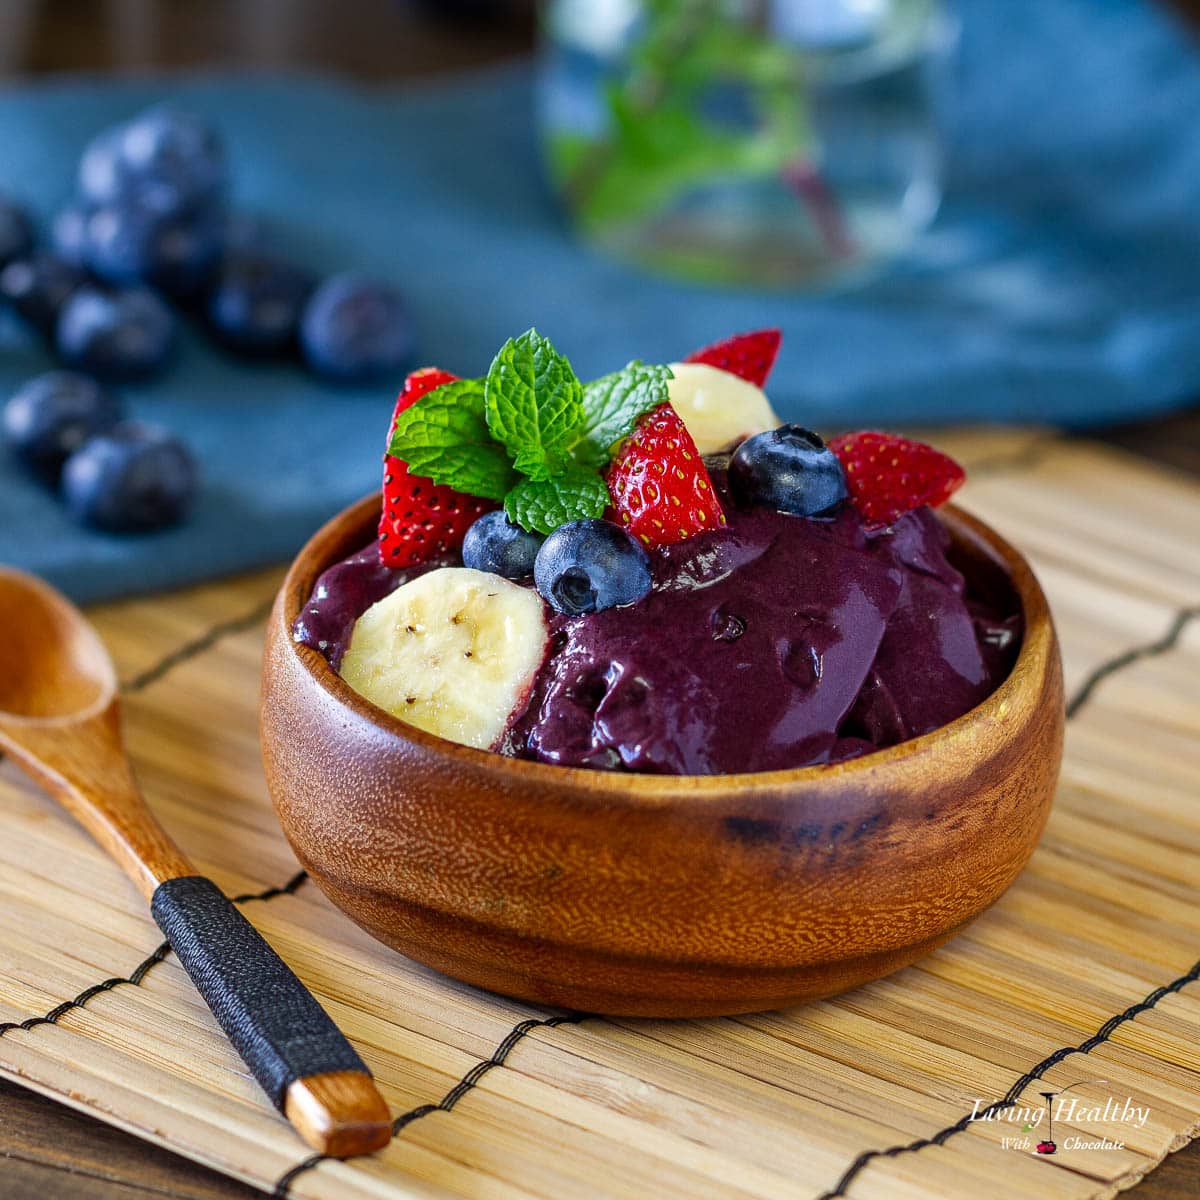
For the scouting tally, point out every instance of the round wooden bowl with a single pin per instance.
(658, 895)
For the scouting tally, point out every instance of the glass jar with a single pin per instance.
(777, 143)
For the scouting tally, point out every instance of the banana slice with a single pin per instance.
(452, 652)
(719, 409)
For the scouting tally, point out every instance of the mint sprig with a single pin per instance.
(528, 433)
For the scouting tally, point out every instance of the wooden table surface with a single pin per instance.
(48, 1151)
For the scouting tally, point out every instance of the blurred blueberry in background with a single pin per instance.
(131, 243)
(126, 334)
(50, 417)
(355, 329)
(167, 161)
(38, 286)
(103, 174)
(174, 162)
(68, 234)
(133, 479)
(152, 203)
(255, 304)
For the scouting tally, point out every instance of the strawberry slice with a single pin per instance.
(660, 488)
(420, 518)
(747, 355)
(890, 475)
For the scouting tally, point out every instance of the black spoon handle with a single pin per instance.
(268, 1014)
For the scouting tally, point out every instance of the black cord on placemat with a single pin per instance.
(53, 1016)
(283, 1185)
(1163, 645)
(288, 889)
(135, 977)
(197, 645)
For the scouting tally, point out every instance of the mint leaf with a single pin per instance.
(545, 504)
(534, 404)
(613, 405)
(445, 437)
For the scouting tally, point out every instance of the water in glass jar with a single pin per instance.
(770, 144)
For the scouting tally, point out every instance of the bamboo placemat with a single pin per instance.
(1084, 971)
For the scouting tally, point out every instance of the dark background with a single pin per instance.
(49, 1151)
(371, 39)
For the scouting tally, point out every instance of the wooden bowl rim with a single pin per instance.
(351, 528)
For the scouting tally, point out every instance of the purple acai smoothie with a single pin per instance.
(776, 642)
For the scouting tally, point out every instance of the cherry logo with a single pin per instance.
(1046, 1147)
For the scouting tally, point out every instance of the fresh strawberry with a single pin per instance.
(420, 518)
(658, 482)
(890, 475)
(747, 355)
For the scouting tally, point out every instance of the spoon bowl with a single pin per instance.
(53, 667)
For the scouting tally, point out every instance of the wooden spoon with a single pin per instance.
(59, 720)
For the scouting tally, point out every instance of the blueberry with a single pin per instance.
(174, 160)
(37, 287)
(584, 566)
(130, 243)
(790, 469)
(16, 232)
(494, 544)
(132, 479)
(255, 303)
(169, 162)
(50, 417)
(103, 176)
(186, 253)
(356, 329)
(115, 335)
(68, 232)
(118, 242)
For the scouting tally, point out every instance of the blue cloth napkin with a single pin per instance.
(1061, 280)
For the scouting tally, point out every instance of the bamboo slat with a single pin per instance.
(772, 1106)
